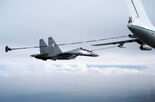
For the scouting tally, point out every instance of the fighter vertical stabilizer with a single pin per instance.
(43, 47)
(53, 48)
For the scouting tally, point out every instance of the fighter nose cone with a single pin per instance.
(96, 55)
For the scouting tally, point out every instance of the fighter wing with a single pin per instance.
(121, 43)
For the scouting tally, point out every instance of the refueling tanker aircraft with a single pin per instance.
(53, 52)
(141, 27)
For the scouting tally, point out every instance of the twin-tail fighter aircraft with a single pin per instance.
(141, 27)
(53, 52)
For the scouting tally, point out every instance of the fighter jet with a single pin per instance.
(141, 27)
(53, 52)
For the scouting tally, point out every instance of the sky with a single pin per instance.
(116, 75)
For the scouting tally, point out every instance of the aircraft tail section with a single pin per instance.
(53, 47)
(137, 11)
(43, 47)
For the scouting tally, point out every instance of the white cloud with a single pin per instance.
(27, 67)
(29, 75)
(5, 74)
(21, 65)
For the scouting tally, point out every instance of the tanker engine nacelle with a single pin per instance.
(145, 47)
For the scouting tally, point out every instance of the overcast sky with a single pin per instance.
(24, 22)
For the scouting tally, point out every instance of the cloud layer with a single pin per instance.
(46, 68)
